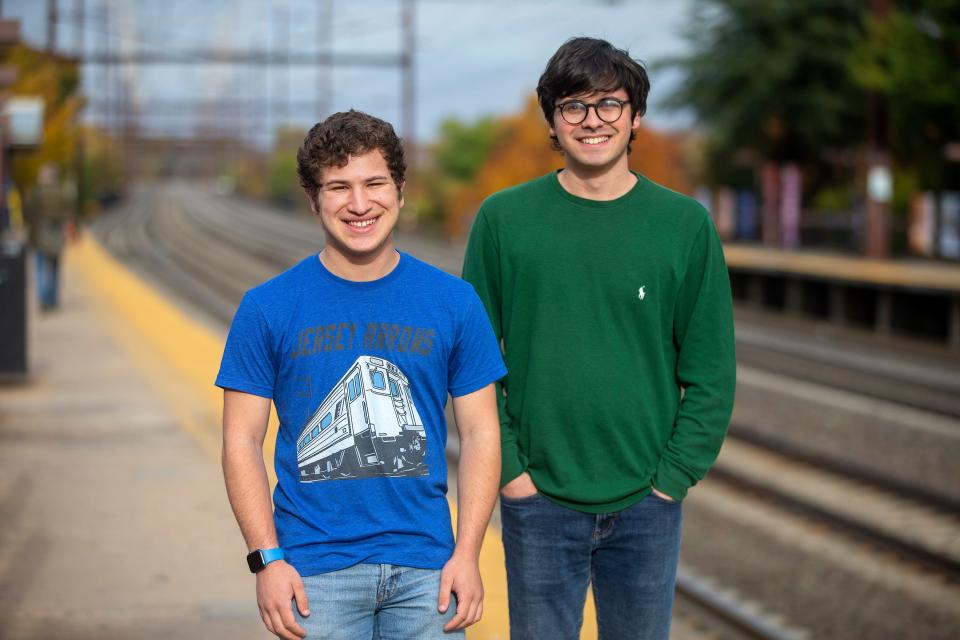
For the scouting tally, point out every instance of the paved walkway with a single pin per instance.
(115, 519)
(116, 522)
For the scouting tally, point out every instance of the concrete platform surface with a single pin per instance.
(115, 521)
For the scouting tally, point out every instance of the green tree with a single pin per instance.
(104, 175)
(463, 148)
(460, 152)
(910, 59)
(283, 185)
(770, 80)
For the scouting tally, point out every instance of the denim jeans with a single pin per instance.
(376, 602)
(48, 277)
(553, 553)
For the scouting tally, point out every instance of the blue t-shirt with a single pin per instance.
(359, 373)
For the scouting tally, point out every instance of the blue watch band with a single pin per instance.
(257, 560)
(269, 555)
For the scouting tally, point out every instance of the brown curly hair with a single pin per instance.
(332, 142)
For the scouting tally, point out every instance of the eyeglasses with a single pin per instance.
(575, 111)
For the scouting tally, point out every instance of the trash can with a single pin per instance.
(13, 311)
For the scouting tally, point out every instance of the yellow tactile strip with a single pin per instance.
(179, 355)
(901, 273)
(180, 358)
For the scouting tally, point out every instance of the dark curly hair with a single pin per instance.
(351, 133)
(583, 65)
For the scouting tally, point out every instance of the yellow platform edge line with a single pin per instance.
(180, 357)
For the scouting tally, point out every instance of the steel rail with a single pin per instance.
(279, 240)
(300, 237)
(212, 250)
(909, 551)
(744, 618)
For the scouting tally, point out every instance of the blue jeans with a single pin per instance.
(553, 553)
(48, 279)
(376, 602)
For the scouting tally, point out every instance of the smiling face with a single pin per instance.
(358, 205)
(594, 146)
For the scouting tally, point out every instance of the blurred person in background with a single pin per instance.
(48, 213)
(612, 300)
(358, 348)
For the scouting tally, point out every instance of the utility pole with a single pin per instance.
(324, 71)
(263, 57)
(409, 92)
(283, 90)
(107, 73)
(51, 26)
(81, 148)
(268, 123)
(879, 174)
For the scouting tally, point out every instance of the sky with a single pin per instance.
(473, 58)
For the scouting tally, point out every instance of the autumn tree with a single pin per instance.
(522, 151)
(56, 80)
(450, 166)
(282, 184)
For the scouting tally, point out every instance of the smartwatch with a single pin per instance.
(260, 558)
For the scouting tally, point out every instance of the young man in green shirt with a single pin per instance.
(612, 300)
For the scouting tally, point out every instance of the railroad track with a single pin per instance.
(919, 528)
(210, 250)
(264, 242)
(723, 614)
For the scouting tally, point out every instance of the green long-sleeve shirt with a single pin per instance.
(617, 327)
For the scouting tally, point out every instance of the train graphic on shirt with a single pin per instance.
(366, 427)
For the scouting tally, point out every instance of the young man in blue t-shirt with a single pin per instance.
(358, 347)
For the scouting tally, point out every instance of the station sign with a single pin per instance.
(880, 184)
(24, 119)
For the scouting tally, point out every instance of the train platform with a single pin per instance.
(913, 274)
(903, 297)
(116, 517)
(116, 522)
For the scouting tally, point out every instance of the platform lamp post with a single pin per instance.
(879, 195)
(23, 129)
(9, 35)
(13, 298)
(879, 172)
(13, 272)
